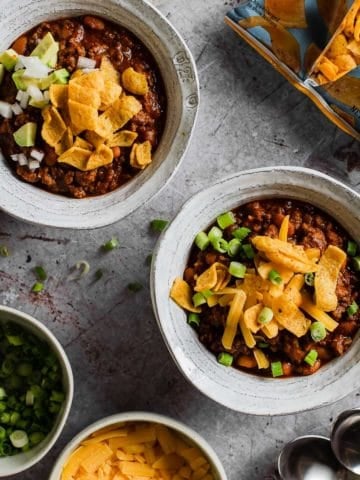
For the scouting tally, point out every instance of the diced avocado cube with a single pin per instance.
(25, 136)
(9, 59)
(59, 76)
(47, 50)
(22, 83)
(38, 103)
(2, 73)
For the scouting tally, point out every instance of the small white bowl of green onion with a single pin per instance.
(36, 390)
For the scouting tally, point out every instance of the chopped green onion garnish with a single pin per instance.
(241, 233)
(276, 369)
(225, 359)
(237, 269)
(249, 251)
(19, 438)
(234, 247)
(99, 274)
(263, 345)
(351, 248)
(311, 357)
(356, 264)
(2, 393)
(193, 320)
(207, 293)
(2, 433)
(148, 259)
(37, 287)
(265, 316)
(24, 369)
(198, 299)
(36, 438)
(4, 251)
(40, 273)
(352, 309)
(158, 225)
(202, 241)
(275, 277)
(215, 234)
(29, 398)
(225, 220)
(309, 279)
(317, 331)
(110, 245)
(221, 245)
(135, 287)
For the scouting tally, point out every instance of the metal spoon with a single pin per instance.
(345, 440)
(309, 458)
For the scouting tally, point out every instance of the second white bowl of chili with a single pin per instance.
(313, 369)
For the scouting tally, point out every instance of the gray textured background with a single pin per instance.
(249, 116)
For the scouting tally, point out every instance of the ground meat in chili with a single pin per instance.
(94, 38)
(309, 227)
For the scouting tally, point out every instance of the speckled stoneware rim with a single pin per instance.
(234, 389)
(30, 203)
(191, 435)
(23, 461)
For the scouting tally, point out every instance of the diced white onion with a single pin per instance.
(15, 157)
(85, 62)
(89, 70)
(19, 65)
(22, 159)
(33, 165)
(46, 94)
(5, 110)
(19, 95)
(35, 93)
(17, 110)
(37, 155)
(19, 438)
(34, 68)
(24, 99)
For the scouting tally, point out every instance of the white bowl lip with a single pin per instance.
(55, 346)
(139, 416)
(188, 117)
(154, 267)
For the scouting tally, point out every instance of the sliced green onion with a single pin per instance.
(225, 359)
(198, 299)
(83, 266)
(58, 397)
(263, 345)
(158, 225)
(29, 398)
(234, 247)
(356, 264)
(352, 309)
(110, 245)
(2, 433)
(309, 279)
(99, 274)
(36, 438)
(207, 293)
(221, 245)
(19, 438)
(276, 369)
(14, 418)
(275, 277)
(2, 393)
(148, 259)
(193, 320)
(4, 251)
(249, 251)
(311, 357)
(265, 316)
(317, 331)
(15, 340)
(37, 287)
(241, 233)
(237, 269)
(215, 234)
(134, 287)
(225, 220)
(24, 369)
(202, 241)
(40, 273)
(351, 248)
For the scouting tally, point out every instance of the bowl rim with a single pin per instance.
(136, 416)
(67, 371)
(157, 294)
(107, 209)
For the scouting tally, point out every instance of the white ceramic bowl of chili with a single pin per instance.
(230, 387)
(178, 71)
(22, 461)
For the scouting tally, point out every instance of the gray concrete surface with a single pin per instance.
(249, 117)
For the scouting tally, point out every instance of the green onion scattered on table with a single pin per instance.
(110, 245)
(31, 394)
(40, 273)
(37, 287)
(134, 287)
(99, 274)
(4, 251)
(158, 225)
